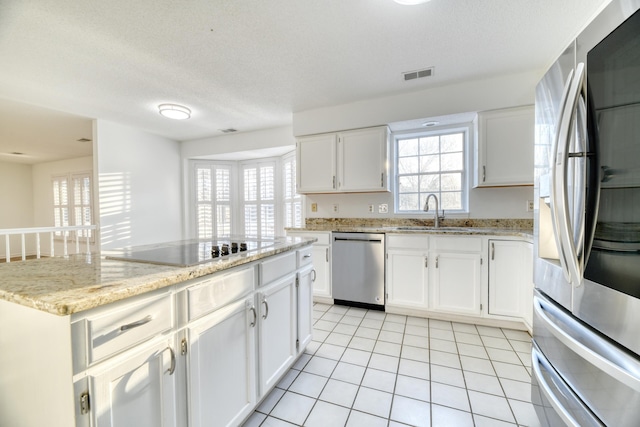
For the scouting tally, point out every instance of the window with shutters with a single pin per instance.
(431, 163)
(259, 198)
(213, 201)
(292, 200)
(72, 201)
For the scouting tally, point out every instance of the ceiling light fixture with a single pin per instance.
(429, 124)
(174, 111)
(410, 2)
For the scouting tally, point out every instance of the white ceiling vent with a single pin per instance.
(417, 74)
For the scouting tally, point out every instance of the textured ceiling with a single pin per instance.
(249, 64)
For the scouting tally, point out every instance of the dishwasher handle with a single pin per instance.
(350, 239)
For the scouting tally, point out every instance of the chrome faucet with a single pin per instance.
(426, 209)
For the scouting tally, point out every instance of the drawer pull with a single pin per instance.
(307, 256)
(255, 317)
(266, 308)
(315, 275)
(172, 368)
(135, 324)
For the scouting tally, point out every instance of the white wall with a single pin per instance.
(16, 202)
(139, 179)
(469, 96)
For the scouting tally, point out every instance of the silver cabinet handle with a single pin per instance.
(437, 261)
(334, 181)
(137, 323)
(255, 317)
(382, 180)
(484, 173)
(426, 262)
(172, 368)
(493, 251)
(315, 275)
(327, 254)
(307, 256)
(266, 308)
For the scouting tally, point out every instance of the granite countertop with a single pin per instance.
(483, 227)
(67, 285)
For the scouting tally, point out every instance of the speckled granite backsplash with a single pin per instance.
(337, 223)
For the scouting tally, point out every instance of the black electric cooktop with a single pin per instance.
(188, 253)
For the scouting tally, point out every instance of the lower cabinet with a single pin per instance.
(456, 284)
(139, 390)
(276, 330)
(304, 288)
(407, 279)
(321, 251)
(222, 352)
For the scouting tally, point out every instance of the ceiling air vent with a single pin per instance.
(230, 130)
(417, 74)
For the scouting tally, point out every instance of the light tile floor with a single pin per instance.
(368, 368)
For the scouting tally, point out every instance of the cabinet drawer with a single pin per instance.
(217, 291)
(407, 241)
(124, 327)
(457, 244)
(305, 256)
(276, 267)
(323, 238)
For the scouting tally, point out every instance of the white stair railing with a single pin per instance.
(75, 234)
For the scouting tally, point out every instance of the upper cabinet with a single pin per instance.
(504, 147)
(343, 162)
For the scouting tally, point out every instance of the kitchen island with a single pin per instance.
(91, 341)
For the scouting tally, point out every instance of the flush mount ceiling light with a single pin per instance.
(410, 2)
(174, 111)
(429, 124)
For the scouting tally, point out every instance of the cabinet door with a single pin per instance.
(407, 279)
(505, 147)
(507, 264)
(362, 160)
(277, 330)
(139, 390)
(322, 265)
(304, 288)
(316, 159)
(221, 365)
(527, 285)
(457, 283)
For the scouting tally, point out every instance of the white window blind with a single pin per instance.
(259, 198)
(213, 195)
(72, 201)
(292, 200)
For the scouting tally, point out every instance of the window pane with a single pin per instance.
(251, 220)
(204, 222)
(430, 145)
(452, 142)
(409, 202)
(408, 165)
(267, 183)
(430, 183)
(297, 214)
(64, 200)
(450, 162)
(203, 185)
(250, 184)
(408, 184)
(223, 220)
(429, 164)
(408, 147)
(267, 220)
(451, 181)
(451, 201)
(223, 185)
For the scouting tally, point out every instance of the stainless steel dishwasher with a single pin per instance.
(357, 269)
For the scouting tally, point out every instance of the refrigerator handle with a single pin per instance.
(559, 188)
(588, 345)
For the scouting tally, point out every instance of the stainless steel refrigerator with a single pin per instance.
(586, 346)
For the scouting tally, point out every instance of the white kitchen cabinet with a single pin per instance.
(136, 390)
(221, 365)
(507, 263)
(349, 161)
(407, 271)
(321, 258)
(277, 326)
(457, 275)
(304, 290)
(527, 285)
(504, 147)
(316, 163)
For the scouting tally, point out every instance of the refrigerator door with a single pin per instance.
(551, 99)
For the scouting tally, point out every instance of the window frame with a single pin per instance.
(294, 199)
(233, 206)
(467, 130)
(71, 205)
(259, 202)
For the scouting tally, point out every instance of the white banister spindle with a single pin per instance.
(24, 247)
(77, 241)
(88, 243)
(7, 248)
(38, 245)
(52, 244)
(65, 249)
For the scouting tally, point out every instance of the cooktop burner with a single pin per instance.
(184, 254)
